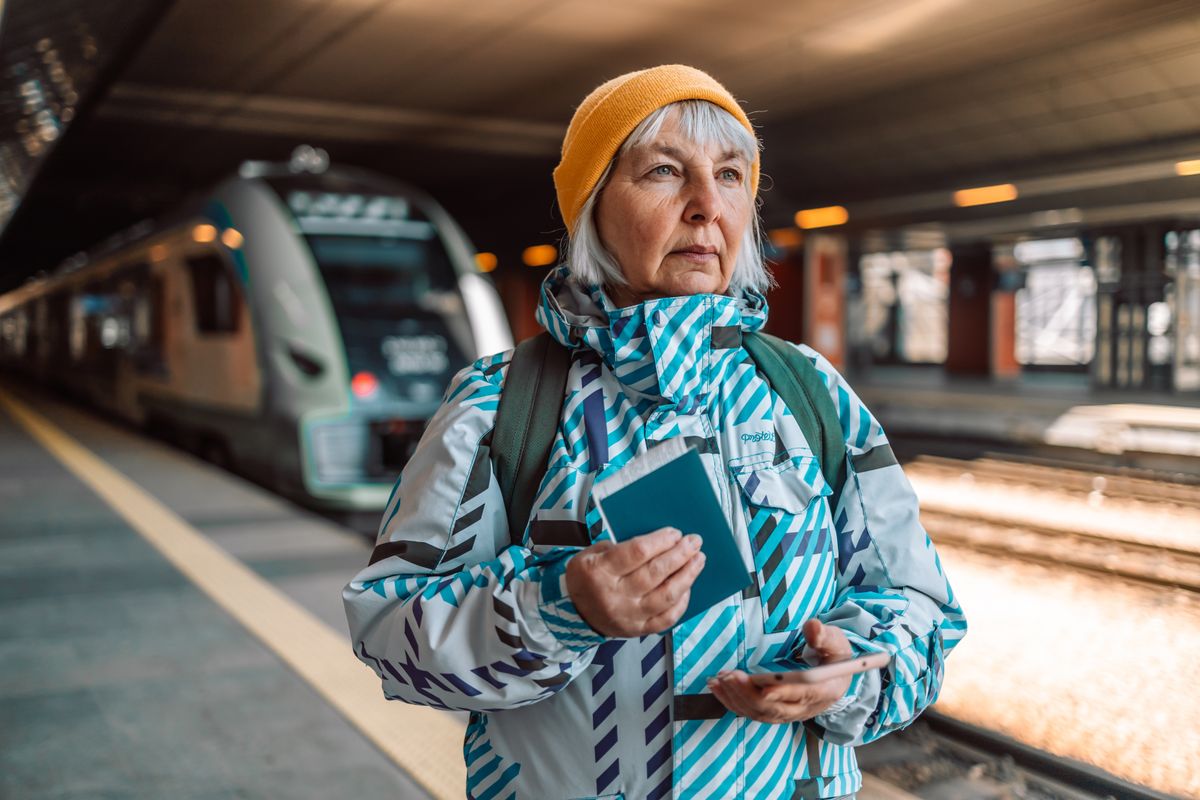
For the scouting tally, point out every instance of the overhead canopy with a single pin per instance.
(857, 100)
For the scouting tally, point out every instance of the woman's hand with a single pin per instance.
(788, 702)
(637, 587)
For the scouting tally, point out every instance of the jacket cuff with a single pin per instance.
(846, 700)
(845, 721)
(559, 613)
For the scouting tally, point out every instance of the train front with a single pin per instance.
(371, 302)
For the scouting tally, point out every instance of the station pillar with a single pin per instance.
(968, 349)
(825, 261)
(787, 299)
(518, 289)
(1008, 278)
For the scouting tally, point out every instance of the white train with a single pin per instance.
(299, 327)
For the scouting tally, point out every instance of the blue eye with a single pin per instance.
(662, 169)
(731, 175)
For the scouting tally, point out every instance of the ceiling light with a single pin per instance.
(540, 255)
(825, 217)
(486, 261)
(983, 195)
(784, 238)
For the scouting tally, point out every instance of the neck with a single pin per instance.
(623, 297)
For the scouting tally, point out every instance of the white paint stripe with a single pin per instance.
(424, 742)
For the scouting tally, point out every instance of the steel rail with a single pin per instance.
(1075, 480)
(1055, 770)
(1158, 565)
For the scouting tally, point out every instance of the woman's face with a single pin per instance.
(673, 214)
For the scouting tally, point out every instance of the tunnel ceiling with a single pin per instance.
(854, 99)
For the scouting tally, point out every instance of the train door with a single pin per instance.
(57, 358)
(127, 321)
(148, 323)
(100, 329)
(39, 348)
(218, 359)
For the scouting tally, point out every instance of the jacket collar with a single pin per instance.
(661, 348)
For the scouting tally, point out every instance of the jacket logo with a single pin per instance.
(761, 436)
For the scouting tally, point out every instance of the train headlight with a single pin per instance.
(364, 385)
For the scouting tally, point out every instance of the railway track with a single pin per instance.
(1032, 769)
(939, 756)
(1115, 483)
(1155, 564)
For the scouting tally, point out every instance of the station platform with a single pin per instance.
(1054, 411)
(168, 630)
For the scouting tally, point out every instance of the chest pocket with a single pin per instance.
(790, 530)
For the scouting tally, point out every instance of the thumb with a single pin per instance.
(828, 640)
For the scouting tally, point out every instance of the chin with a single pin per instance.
(697, 282)
(706, 284)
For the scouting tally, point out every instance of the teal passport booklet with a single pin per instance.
(668, 487)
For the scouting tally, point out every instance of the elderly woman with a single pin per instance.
(566, 647)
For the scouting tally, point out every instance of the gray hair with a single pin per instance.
(701, 122)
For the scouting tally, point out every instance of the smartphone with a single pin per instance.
(824, 672)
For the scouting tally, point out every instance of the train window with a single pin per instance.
(21, 332)
(8, 334)
(215, 299)
(156, 299)
(58, 307)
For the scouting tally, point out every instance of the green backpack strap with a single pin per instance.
(535, 388)
(526, 423)
(796, 380)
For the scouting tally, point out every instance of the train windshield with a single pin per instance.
(377, 276)
(398, 308)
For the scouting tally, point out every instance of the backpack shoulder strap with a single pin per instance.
(796, 380)
(526, 423)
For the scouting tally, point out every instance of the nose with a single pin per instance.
(703, 203)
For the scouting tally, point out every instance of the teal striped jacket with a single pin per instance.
(458, 612)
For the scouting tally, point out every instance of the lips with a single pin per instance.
(698, 249)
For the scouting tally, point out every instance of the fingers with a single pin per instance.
(828, 640)
(667, 594)
(788, 693)
(737, 693)
(649, 602)
(629, 555)
(664, 620)
(729, 701)
(657, 570)
(776, 704)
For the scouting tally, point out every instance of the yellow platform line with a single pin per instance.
(424, 742)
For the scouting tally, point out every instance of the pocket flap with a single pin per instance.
(790, 485)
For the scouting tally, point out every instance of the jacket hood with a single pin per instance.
(658, 347)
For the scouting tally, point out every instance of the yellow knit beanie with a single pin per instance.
(610, 113)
